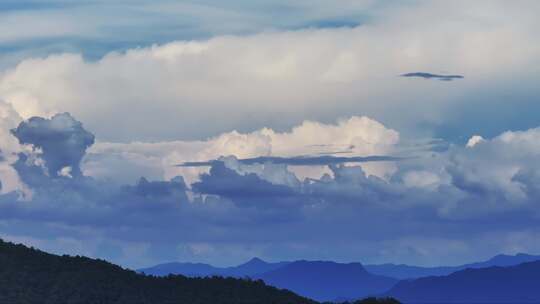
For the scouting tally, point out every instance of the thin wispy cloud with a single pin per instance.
(433, 76)
(300, 160)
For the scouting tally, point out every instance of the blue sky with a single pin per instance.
(101, 101)
(95, 28)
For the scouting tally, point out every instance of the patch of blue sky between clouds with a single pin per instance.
(122, 25)
(14, 6)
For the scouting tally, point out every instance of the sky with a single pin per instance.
(145, 132)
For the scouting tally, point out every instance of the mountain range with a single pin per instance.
(402, 271)
(328, 281)
(319, 280)
(31, 276)
(256, 266)
(249, 269)
(512, 284)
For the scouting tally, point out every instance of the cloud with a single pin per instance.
(247, 190)
(9, 148)
(153, 189)
(474, 140)
(462, 196)
(360, 137)
(62, 141)
(493, 170)
(286, 93)
(300, 160)
(434, 76)
(318, 74)
(50, 26)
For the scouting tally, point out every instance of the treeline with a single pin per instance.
(374, 300)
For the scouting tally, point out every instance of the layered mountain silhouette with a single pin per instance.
(251, 268)
(401, 271)
(319, 280)
(32, 276)
(327, 281)
(513, 284)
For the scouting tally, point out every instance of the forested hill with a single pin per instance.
(32, 276)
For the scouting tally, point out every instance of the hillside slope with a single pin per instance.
(32, 276)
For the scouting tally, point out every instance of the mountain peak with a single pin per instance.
(519, 254)
(256, 260)
(252, 267)
(508, 260)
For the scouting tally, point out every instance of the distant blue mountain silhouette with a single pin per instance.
(513, 284)
(327, 281)
(402, 271)
(323, 281)
(254, 267)
(249, 269)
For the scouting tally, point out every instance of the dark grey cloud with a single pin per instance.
(62, 139)
(300, 160)
(247, 190)
(433, 76)
(147, 188)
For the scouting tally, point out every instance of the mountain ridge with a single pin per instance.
(250, 268)
(327, 281)
(355, 280)
(404, 271)
(496, 284)
(398, 271)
